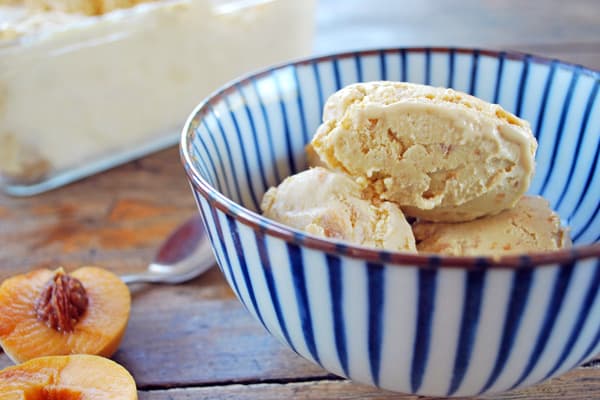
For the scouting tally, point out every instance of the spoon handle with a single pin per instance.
(155, 276)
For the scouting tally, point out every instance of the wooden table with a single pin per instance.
(195, 341)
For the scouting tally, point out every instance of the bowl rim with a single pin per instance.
(265, 225)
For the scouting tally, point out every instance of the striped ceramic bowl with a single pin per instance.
(433, 325)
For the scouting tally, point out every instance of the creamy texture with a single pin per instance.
(440, 154)
(331, 205)
(530, 226)
(75, 89)
(86, 7)
(18, 21)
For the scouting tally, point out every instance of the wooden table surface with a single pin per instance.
(195, 340)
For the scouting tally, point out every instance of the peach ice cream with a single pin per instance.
(331, 205)
(530, 226)
(440, 154)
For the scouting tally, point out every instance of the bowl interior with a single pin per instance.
(251, 135)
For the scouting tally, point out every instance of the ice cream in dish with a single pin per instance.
(441, 154)
(457, 164)
(330, 204)
(528, 227)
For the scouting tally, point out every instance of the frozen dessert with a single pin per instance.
(530, 226)
(78, 89)
(330, 204)
(457, 164)
(87, 7)
(440, 154)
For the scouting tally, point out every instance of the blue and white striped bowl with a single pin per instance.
(451, 326)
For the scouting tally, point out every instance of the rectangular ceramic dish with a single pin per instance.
(80, 94)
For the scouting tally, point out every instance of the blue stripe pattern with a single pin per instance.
(297, 267)
(561, 285)
(561, 125)
(589, 351)
(259, 238)
(237, 243)
(592, 296)
(428, 67)
(404, 66)
(319, 86)
(382, 66)
(587, 114)
(233, 171)
(590, 176)
(517, 304)
(267, 121)
(474, 65)
(286, 121)
(375, 293)
(201, 202)
(300, 104)
(247, 171)
(537, 128)
(336, 74)
(221, 171)
(250, 116)
(215, 179)
(337, 293)
(425, 312)
(252, 134)
(588, 225)
(468, 328)
(358, 66)
(499, 75)
(451, 57)
(522, 83)
(226, 263)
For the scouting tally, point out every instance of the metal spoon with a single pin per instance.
(183, 256)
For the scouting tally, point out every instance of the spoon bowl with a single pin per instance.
(184, 255)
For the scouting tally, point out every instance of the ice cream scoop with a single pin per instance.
(330, 204)
(442, 155)
(528, 227)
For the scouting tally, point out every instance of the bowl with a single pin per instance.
(422, 324)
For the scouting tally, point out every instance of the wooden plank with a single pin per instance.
(198, 334)
(115, 219)
(584, 54)
(508, 24)
(576, 385)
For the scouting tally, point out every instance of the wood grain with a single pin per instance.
(554, 28)
(196, 337)
(115, 219)
(199, 334)
(577, 385)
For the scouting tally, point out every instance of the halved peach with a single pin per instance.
(75, 377)
(46, 312)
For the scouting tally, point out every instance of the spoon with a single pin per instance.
(183, 256)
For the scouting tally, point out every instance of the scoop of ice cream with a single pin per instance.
(330, 204)
(529, 227)
(85, 7)
(442, 155)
